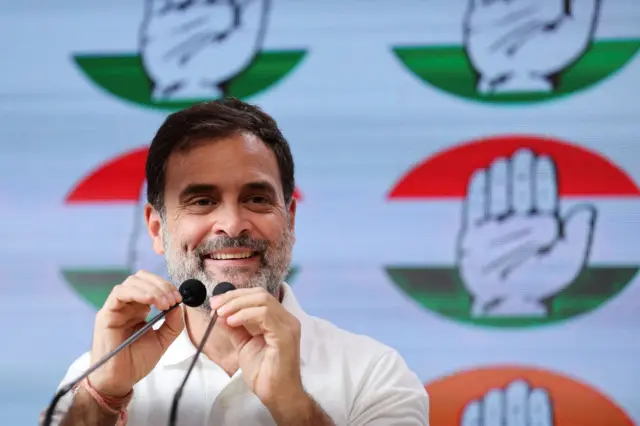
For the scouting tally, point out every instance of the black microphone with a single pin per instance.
(193, 293)
(221, 288)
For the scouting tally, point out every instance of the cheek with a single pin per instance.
(191, 232)
(271, 229)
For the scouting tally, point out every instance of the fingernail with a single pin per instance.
(164, 301)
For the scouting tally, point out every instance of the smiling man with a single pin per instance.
(220, 182)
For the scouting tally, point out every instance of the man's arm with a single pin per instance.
(391, 394)
(304, 411)
(85, 411)
(81, 409)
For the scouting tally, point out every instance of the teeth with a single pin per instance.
(224, 256)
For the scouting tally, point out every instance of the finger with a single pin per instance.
(499, 188)
(578, 225)
(160, 298)
(471, 415)
(171, 328)
(251, 300)
(522, 183)
(135, 323)
(171, 292)
(476, 202)
(516, 401)
(239, 336)
(540, 409)
(257, 320)
(493, 408)
(583, 11)
(221, 299)
(121, 295)
(546, 186)
(128, 316)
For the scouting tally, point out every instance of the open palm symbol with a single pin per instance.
(519, 45)
(518, 404)
(515, 250)
(191, 48)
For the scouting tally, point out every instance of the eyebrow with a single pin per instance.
(197, 189)
(260, 186)
(205, 188)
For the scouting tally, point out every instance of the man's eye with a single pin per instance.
(202, 202)
(259, 200)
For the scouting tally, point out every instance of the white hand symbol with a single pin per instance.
(191, 48)
(514, 249)
(521, 45)
(141, 254)
(517, 405)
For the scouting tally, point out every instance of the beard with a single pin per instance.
(274, 263)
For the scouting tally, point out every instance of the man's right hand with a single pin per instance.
(124, 313)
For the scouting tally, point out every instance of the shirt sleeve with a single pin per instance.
(391, 394)
(78, 367)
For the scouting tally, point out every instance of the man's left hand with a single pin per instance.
(267, 338)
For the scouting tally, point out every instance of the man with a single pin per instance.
(220, 181)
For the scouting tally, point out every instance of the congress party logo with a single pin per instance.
(527, 212)
(120, 181)
(193, 51)
(522, 51)
(518, 396)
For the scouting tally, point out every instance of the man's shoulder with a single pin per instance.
(371, 376)
(327, 332)
(328, 341)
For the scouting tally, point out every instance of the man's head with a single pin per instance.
(220, 182)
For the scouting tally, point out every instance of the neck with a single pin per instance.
(218, 347)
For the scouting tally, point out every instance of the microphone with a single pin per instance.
(193, 293)
(221, 288)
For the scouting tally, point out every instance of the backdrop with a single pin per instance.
(467, 172)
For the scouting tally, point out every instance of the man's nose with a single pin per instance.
(230, 221)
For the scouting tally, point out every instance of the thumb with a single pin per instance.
(584, 11)
(578, 225)
(238, 336)
(254, 12)
(171, 328)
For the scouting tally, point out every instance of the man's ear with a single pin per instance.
(293, 205)
(154, 226)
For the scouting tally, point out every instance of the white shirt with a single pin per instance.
(356, 380)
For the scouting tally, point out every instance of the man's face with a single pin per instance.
(225, 216)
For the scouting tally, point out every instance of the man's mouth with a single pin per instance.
(222, 255)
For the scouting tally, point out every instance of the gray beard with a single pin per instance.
(274, 267)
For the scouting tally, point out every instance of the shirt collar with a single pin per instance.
(183, 349)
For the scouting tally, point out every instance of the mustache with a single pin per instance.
(225, 242)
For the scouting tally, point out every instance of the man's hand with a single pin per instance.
(267, 338)
(517, 45)
(123, 313)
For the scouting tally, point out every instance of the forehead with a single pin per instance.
(227, 162)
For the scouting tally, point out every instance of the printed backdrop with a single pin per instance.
(467, 170)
